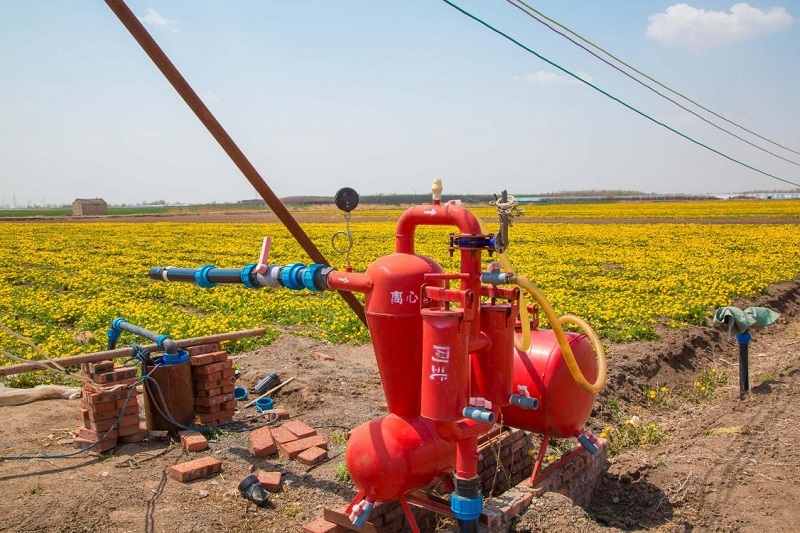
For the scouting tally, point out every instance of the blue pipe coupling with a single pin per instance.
(466, 509)
(587, 443)
(479, 415)
(360, 513)
(524, 402)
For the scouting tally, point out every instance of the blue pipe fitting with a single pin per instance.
(361, 519)
(160, 340)
(744, 338)
(115, 325)
(180, 356)
(245, 276)
(479, 415)
(587, 443)
(201, 277)
(524, 402)
(495, 277)
(289, 276)
(466, 509)
(308, 276)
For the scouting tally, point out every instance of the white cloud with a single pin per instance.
(543, 77)
(154, 18)
(699, 30)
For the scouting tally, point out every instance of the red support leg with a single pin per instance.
(539, 458)
(412, 523)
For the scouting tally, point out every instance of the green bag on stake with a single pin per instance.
(738, 321)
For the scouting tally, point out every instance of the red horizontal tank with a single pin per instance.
(564, 407)
(392, 455)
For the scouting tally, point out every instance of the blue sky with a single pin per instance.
(384, 95)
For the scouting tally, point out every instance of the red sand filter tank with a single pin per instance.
(449, 363)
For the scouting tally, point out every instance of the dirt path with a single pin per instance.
(321, 216)
(725, 465)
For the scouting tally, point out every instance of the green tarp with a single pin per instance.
(738, 321)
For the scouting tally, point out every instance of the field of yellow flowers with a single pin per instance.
(61, 283)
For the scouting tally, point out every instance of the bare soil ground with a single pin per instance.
(725, 465)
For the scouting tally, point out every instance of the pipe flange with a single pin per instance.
(245, 276)
(308, 276)
(289, 276)
(201, 277)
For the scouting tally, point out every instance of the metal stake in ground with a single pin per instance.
(744, 370)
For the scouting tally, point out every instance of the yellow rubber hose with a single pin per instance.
(556, 323)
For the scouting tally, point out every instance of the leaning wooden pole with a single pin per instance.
(127, 352)
(151, 48)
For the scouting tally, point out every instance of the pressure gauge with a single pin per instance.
(346, 199)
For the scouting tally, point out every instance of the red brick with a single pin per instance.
(320, 525)
(195, 443)
(104, 446)
(100, 397)
(100, 407)
(282, 436)
(228, 375)
(271, 481)
(139, 436)
(214, 418)
(187, 433)
(230, 405)
(93, 416)
(119, 374)
(228, 387)
(206, 378)
(312, 456)
(207, 393)
(299, 428)
(323, 356)
(292, 449)
(128, 430)
(207, 410)
(262, 442)
(105, 425)
(208, 358)
(195, 469)
(94, 436)
(210, 401)
(212, 368)
(202, 348)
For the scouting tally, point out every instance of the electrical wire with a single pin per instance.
(643, 84)
(673, 91)
(616, 99)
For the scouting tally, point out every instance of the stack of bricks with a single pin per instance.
(511, 450)
(214, 380)
(100, 410)
(297, 440)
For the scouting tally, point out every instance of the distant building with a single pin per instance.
(89, 206)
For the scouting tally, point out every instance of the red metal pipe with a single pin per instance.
(432, 215)
(168, 69)
(350, 281)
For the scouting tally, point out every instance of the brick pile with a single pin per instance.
(100, 410)
(291, 440)
(213, 380)
(508, 485)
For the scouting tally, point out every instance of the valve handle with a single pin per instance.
(263, 257)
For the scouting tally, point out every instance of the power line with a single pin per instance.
(598, 89)
(643, 84)
(673, 91)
